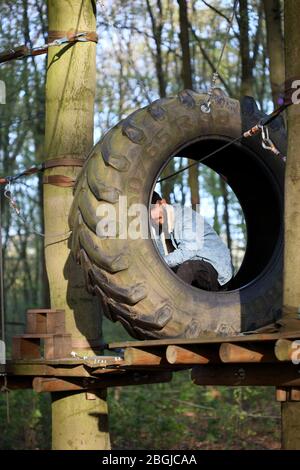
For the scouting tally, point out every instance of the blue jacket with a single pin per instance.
(194, 239)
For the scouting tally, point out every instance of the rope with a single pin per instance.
(64, 37)
(261, 126)
(53, 163)
(202, 159)
(205, 107)
(9, 180)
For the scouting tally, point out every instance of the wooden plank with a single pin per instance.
(205, 340)
(35, 336)
(45, 321)
(49, 346)
(257, 352)
(284, 375)
(92, 361)
(25, 347)
(191, 354)
(18, 369)
(58, 346)
(13, 368)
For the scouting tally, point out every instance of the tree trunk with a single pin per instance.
(188, 83)
(226, 212)
(185, 45)
(157, 27)
(275, 46)
(70, 92)
(247, 74)
(291, 301)
(194, 184)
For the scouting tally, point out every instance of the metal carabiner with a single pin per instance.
(268, 144)
(12, 202)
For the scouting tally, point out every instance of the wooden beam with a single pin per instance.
(191, 354)
(284, 375)
(142, 357)
(41, 384)
(260, 352)
(286, 350)
(288, 394)
(217, 339)
(63, 371)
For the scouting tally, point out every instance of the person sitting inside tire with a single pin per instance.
(190, 246)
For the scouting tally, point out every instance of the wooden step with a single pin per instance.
(35, 346)
(45, 321)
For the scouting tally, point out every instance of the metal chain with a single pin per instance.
(205, 107)
(139, 77)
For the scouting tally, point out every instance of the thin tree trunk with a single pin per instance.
(226, 219)
(186, 73)
(193, 180)
(216, 215)
(187, 79)
(157, 26)
(38, 138)
(247, 73)
(275, 46)
(292, 182)
(291, 300)
(77, 423)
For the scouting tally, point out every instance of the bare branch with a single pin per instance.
(209, 61)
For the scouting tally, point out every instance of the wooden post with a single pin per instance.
(191, 355)
(139, 357)
(77, 423)
(262, 352)
(291, 304)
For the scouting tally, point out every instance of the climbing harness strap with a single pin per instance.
(55, 38)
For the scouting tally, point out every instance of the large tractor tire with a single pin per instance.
(135, 285)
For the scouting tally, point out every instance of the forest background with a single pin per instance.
(147, 49)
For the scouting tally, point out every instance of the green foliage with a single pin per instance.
(29, 425)
(180, 415)
(171, 415)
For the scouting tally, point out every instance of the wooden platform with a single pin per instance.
(206, 339)
(246, 359)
